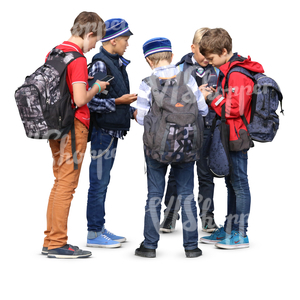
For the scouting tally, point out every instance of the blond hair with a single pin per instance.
(199, 34)
(157, 57)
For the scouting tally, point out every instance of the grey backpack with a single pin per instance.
(173, 129)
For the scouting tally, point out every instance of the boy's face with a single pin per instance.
(216, 60)
(201, 60)
(121, 43)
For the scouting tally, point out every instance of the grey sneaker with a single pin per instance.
(68, 251)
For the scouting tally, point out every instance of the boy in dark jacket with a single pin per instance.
(216, 46)
(195, 64)
(110, 117)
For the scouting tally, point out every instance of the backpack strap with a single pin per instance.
(254, 94)
(60, 67)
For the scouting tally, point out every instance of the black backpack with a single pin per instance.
(173, 129)
(44, 100)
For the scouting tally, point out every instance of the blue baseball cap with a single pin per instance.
(116, 27)
(156, 45)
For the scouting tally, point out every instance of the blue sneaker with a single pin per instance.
(218, 235)
(102, 241)
(234, 241)
(114, 237)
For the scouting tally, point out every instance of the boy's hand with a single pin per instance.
(126, 99)
(103, 84)
(205, 90)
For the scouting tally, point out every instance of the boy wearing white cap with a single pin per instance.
(158, 54)
(110, 117)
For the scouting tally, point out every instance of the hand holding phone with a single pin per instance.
(101, 77)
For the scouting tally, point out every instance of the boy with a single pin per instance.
(88, 28)
(216, 46)
(195, 64)
(110, 116)
(158, 54)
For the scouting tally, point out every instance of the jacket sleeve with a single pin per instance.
(238, 97)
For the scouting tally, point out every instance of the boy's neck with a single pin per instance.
(109, 48)
(162, 63)
(77, 40)
(228, 56)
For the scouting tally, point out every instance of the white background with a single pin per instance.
(268, 31)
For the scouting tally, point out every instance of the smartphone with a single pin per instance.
(107, 78)
(100, 76)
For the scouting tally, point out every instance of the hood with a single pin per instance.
(246, 63)
(186, 59)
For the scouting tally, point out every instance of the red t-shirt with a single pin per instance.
(77, 73)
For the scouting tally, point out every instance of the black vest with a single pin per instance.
(119, 86)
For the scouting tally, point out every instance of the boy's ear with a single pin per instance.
(149, 62)
(193, 48)
(172, 57)
(90, 34)
(224, 52)
(113, 42)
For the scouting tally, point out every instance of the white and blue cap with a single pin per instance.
(156, 45)
(116, 27)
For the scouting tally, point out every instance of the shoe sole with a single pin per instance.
(120, 240)
(222, 246)
(209, 229)
(192, 255)
(166, 230)
(205, 241)
(145, 254)
(103, 246)
(68, 256)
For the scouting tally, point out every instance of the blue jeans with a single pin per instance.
(184, 177)
(206, 188)
(103, 151)
(239, 198)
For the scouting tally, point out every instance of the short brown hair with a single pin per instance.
(87, 22)
(214, 41)
(157, 57)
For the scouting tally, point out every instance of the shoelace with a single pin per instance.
(217, 231)
(106, 237)
(109, 232)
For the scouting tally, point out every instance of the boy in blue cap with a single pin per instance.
(110, 117)
(158, 54)
(195, 64)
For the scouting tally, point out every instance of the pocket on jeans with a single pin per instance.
(99, 152)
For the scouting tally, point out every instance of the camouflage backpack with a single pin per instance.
(44, 100)
(173, 129)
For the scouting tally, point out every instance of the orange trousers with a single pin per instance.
(66, 181)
